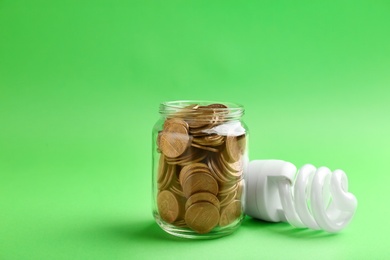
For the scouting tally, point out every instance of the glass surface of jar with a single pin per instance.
(199, 159)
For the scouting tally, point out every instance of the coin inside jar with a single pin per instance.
(162, 167)
(174, 140)
(168, 206)
(167, 178)
(235, 147)
(174, 121)
(193, 168)
(200, 182)
(230, 213)
(202, 217)
(202, 197)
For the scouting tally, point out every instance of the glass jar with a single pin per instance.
(199, 156)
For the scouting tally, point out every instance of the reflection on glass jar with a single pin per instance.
(199, 156)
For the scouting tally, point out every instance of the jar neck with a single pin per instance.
(201, 110)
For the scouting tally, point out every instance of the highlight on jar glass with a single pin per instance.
(199, 156)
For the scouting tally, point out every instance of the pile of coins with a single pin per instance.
(200, 172)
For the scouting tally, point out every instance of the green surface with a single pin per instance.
(80, 86)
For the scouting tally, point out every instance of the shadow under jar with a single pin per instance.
(199, 157)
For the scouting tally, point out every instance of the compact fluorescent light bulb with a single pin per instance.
(310, 197)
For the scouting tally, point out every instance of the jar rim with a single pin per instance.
(172, 106)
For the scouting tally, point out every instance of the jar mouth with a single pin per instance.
(229, 109)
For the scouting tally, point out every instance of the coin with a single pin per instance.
(168, 206)
(167, 177)
(180, 223)
(217, 171)
(200, 182)
(162, 167)
(219, 113)
(197, 117)
(230, 213)
(209, 140)
(200, 157)
(227, 188)
(202, 217)
(236, 166)
(235, 147)
(176, 188)
(200, 131)
(187, 155)
(175, 121)
(240, 190)
(185, 112)
(186, 171)
(191, 155)
(174, 140)
(226, 199)
(158, 141)
(219, 106)
(198, 122)
(207, 148)
(202, 197)
(232, 170)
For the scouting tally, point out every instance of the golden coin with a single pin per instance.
(186, 112)
(236, 166)
(176, 188)
(214, 109)
(227, 198)
(200, 121)
(162, 168)
(186, 171)
(232, 170)
(203, 116)
(200, 131)
(199, 157)
(209, 140)
(202, 217)
(180, 223)
(182, 202)
(211, 149)
(200, 182)
(191, 107)
(197, 120)
(226, 188)
(230, 213)
(168, 206)
(158, 141)
(174, 140)
(219, 113)
(167, 177)
(190, 156)
(235, 147)
(216, 172)
(220, 106)
(174, 121)
(202, 197)
(240, 189)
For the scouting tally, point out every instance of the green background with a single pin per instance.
(80, 86)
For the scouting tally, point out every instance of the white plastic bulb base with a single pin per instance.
(310, 197)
